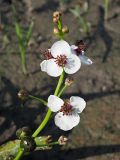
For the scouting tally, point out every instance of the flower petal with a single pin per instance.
(78, 103)
(55, 103)
(73, 47)
(43, 66)
(60, 48)
(85, 60)
(73, 64)
(53, 69)
(66, 122)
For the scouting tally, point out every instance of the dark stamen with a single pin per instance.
(66, 109)
(61, 60)
(81, 47)
(47, 54)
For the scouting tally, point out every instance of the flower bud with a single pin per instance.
(55, 31)
(65, 29)
(68, 81)
(31, 43)
(55, 20)
(28, 144)
(62, 140)
(23, 132)
(56, 14)
(49, 139)
(23, 95)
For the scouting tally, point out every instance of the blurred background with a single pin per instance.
(97, 23)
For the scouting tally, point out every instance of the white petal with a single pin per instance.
(66, 122)
(53, 69)
(73, 51)
(85, 60)
(73, 47)
(60, 48)
(73, 64)
(54, 103)
(43, 66)
(78, 103)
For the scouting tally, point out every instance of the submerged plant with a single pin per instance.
(61, 58)
(23, 40)
(79, 13)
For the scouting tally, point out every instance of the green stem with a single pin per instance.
(20, 154)
(60, 26)
(43, 124)
(23, 61)
(62, 90)
(59, 83)
(49, 112)
(38, 99)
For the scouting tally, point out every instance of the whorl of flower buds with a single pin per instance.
(28, 143)
(62, 140)
(22, 94)
(56, 16)
(68, 81)
(65, 29)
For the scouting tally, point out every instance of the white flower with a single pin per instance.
(67, 116)
(62, 58)
(84, 59)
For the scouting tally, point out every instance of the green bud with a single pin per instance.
(23, 95)
(23, 132)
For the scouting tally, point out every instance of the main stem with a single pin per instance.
(49, 112)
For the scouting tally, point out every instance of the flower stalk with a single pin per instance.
(38, 99)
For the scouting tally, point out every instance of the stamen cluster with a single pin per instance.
(81, 47)
(47, 54)
(61, 60)
(66, 108)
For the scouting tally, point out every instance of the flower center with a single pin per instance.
(66, 108)
(47, 54)
(61, 60)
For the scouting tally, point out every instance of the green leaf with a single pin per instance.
(29, 32)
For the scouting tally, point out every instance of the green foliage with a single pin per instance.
(78, 13)
(23, 39)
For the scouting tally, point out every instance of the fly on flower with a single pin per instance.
(60, 58)
(79, 50)
(67, 115)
